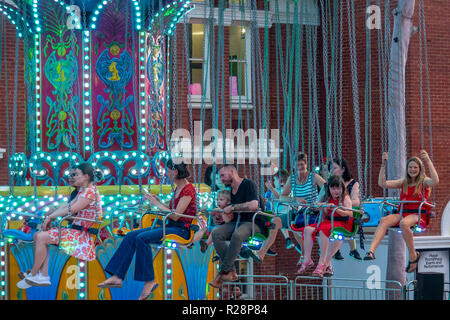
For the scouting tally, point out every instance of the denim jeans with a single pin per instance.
(229, 253)
(138, 242)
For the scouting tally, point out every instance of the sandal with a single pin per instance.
(147, 295)
(104, 285)
(415, 263)
(320, 270)
(305, 266)
(369, 256)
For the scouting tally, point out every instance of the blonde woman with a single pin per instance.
(416, 186)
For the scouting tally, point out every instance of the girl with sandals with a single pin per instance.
(336, 195)
(416, 186)
(138, 242)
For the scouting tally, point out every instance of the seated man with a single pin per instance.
(244, 198)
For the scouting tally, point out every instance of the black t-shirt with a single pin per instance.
(246, 192)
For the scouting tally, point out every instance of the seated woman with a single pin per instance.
(304, 185)
(336, 196)
(75, 240)
(416, 186)
(138, 242)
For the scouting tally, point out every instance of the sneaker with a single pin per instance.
(338, 255)
(22, 284)
(289, 244)
(298, 248)
(38, 280)
(244, 253)
(270, 252)
(355, 254)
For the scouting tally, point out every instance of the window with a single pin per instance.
(199, 63)
(240, 64)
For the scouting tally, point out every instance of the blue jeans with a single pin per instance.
(139, 242)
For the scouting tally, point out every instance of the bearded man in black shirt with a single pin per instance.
(244, 204)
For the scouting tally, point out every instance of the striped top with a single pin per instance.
(307, 191)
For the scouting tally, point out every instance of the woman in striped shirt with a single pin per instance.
(303, 184)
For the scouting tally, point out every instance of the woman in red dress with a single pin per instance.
(416, 186)
(137, 243)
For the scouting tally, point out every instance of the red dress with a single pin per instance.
(77, 243)
(191, 210)
(325, 225)
(413, 208)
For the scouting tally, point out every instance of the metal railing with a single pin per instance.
(258, 287)
(313, 288)
(411, 290)
(261, 287)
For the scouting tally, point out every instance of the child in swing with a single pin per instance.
(336, 195)
(416, 186)
(223, 200)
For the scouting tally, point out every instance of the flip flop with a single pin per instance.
(151, 291)
(413, 262)
(109, 285)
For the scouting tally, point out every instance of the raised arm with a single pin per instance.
(318, 180)
(434, 178)
(355, 195)
(382, 182)
(286, 190)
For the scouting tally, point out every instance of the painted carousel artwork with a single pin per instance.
(95, 89)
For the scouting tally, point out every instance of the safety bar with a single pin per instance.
(71, 217)
(402, 202)
(262, 213)
(342, 208)
(166, 214)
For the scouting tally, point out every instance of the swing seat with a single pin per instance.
(340, 233)
(173, 240)
(255, 242)
(19, 235)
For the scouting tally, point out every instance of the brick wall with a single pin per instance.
(438, 56)
(8, 57)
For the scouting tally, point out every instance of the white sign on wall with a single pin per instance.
(435, 261)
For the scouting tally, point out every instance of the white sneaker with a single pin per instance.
(38, 280)
(22, 284)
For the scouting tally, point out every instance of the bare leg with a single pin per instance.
(352, 244)
(199, 235)
(385, 223)
(323, 247)
(405, 225)
(42, 240)
(44, 267)
(285, 233)
(308, 243)
(333, 247)
(272, 238)
(299, 239)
